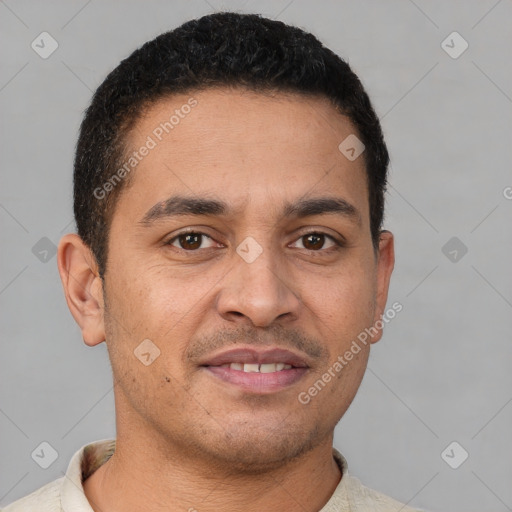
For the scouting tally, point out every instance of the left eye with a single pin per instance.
(192, 240)
(316, 241)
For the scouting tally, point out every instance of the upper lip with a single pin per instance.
(255, 356)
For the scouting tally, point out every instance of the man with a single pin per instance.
(228, 192)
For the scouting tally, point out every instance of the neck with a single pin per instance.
(143, 476)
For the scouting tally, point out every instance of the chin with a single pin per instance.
(256, 449)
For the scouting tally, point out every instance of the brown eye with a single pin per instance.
(316, 241)
(189, 241)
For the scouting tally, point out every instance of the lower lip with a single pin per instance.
(258, 382)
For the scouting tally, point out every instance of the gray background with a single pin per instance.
(442, 371)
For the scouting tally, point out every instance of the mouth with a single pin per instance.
(257, 371)
(257, 368)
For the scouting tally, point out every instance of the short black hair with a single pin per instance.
(221, 49)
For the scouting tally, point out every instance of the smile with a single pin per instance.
(257, 368)
(257, 371)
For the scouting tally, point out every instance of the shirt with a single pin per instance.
(66, 494)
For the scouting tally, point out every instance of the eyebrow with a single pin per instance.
(182, 205)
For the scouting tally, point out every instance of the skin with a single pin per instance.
(185, 439)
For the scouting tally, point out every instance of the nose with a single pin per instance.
(259, 291)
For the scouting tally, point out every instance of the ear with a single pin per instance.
(83, 287)
(385, 264)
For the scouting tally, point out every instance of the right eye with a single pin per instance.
(189, 240)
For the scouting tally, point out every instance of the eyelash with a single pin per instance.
(338, 244)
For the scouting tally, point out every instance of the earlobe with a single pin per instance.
(385, 264)
(83, 287)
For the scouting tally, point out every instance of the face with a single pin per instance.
(241, 252)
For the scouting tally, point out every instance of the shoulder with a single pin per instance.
(352, 495)
(44, 499)
(66, 493)
(365, 498)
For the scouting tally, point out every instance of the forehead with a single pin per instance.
(242, 145)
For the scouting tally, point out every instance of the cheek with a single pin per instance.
(159, 304)
(155, 299)
(345, 302)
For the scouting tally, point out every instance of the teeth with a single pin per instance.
(249, 367)
(258, 368)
